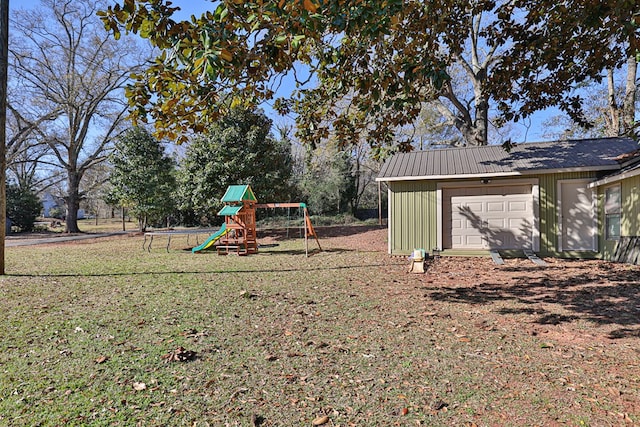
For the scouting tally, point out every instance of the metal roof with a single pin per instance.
(494, 160)
(238, 193)
(628, 170)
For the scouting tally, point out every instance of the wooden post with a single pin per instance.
(379, 203)
(4, 60)
(306, 234)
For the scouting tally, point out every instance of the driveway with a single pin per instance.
(47, 238)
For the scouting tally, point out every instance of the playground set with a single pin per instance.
(238, 233)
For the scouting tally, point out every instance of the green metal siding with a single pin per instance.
(630, 219)
(605, 247)
(413, 213)
(548, 203)
(413, 216)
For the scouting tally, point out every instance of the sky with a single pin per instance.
(529, 131)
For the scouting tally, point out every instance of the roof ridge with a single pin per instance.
(518, 144)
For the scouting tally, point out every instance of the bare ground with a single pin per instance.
(583, 316)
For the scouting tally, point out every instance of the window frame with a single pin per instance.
(612, 211)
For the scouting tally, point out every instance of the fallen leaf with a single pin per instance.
(438, 405)
(139, 386)
(102, 359)
(180, 354)
(320, 420)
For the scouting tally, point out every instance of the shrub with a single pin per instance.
(23, 207)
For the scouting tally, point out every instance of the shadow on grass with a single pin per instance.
(214, 271)
(271, 251)
(588, 296)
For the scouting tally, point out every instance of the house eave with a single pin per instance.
(498, 174)
(443, 177)
(614, 178)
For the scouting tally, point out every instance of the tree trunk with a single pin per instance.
(481, 122)
(629, 105)
(612, 120)
(4, 46)
(621, 118)
(73, 203)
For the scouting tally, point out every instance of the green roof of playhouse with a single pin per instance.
(230, 210)
(238, 193)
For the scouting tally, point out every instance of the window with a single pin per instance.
(612, 209)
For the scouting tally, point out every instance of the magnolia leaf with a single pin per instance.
(226, 55)
(310, 6)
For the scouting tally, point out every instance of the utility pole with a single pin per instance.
(4, 61)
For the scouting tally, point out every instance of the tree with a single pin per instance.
(238, 149)
(620, 116)
(387, 57)
(23, 207)
(605, 109)
(556, 47)
(94, 188)
(73, 75)
(329, 183)
(143, 177)
(4, 47)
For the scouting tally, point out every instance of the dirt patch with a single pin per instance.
(359, 238)
(575, 323)
(585, 312)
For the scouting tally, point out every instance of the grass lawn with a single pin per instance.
(93, 333)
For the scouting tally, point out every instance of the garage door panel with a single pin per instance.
(518, 206)
(517, 224)
(490, 217)
(475, 207)
(474, 241)
(496, 223)
(495, 207)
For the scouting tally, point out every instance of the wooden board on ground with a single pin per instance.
(495, 255)
(534, 258)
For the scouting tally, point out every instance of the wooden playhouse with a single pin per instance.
(239, 213)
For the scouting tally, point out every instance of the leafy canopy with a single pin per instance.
(237, 149)
(143, 177)
(383, 58)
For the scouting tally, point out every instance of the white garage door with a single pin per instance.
(489, 217)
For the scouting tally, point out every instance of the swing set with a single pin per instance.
(238, 233)
(309, 231)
